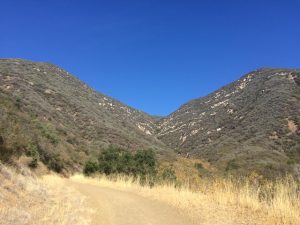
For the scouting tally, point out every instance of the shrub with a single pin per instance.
(33, 163)
(108, 160)
(55, 164)
(47, 132)
(169, 175)
(5, 154)
(199, 166)
(8, 152)
(32, 151)
(201, 170)
(145, 162)
(18, 102)
(232, 165)
(118, 161)
(90, 167)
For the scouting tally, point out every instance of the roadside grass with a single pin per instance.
(26, 199)
(220, 201)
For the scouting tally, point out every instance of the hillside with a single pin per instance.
(250, 124)
(45, 109)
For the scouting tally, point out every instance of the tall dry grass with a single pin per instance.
(26, 199)
(221, 201)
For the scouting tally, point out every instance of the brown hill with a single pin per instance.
(45, 109)
(250, 124)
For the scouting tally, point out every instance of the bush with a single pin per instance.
(169, 175)
(8, 152)
(18, 102)
(47, 132)
(199, 166)
(201, 170)
(56, 164)
(232, 165)
(5, 154)
(145, 162)
(32, 151)
(108, 161)
(118, 161)
(33, 163)
(90, 167)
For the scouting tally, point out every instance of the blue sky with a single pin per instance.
(153, 55)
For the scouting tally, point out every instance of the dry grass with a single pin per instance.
(221, 201)
(24, 199)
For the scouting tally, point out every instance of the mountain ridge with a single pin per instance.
(232, 127)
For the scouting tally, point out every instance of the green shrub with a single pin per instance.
(145, 162)
(90, 168)
(33, 163)
(201, 170)
(199, 166)
(108, 160)
(118, 161)
(32, 151)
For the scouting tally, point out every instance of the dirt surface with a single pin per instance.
(115, 207)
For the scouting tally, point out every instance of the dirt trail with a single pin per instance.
(115, 207)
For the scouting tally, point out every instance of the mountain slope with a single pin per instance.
(251, 123)
(46, 108)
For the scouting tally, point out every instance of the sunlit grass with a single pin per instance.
(220, 201)
(26, 199)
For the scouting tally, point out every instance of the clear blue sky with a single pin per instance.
(153, 55)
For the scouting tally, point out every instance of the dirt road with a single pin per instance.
(115, 207)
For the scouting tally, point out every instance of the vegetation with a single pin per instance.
(60, 114)
(169, 175)
(32, 151)
(55, 163)
(221, 201)
(232, 165)
(141, 165)
(64, 114)
(28, 200)
(118, 161)
(47, 132)
(90, 167)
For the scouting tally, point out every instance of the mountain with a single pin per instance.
(48, 109)
(249, 125)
